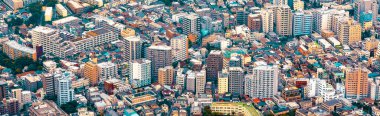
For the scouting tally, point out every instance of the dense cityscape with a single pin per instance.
(189, 58)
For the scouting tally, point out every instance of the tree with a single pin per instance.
(50, 3)
(35, 9)
(70, 107)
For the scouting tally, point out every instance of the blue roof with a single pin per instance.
(130, 112)
(371, 75)
(337, 64)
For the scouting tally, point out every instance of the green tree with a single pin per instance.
(50, 3)
(70, 107)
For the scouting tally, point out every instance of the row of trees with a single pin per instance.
(19, 64)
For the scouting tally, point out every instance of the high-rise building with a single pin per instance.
(65, 93)
(226, 19)
(267, 19)
(166, 75)
(214, 63)
(223, 82)
(139, 73)
(26, 97)
(180, 47)
(254, 22)
(90, 71)
(280, 2)
(180, 78)
(191, 24)
(107, 70)
(298, 5)
(349, 32)
(190, 81)
(322, 20)
(283, 20)
(48, 84)
(263, 82)
(23, 97)
(13, 106)
(302, 23)
(356, 82)
(16, 93)
(132, 48)
(241, 17)
(43, 36)
(200, 82)
(236, 80)
(15, 50)
(362, 7)
(336, 21)
(377, 54)
(3, 90)
(374, 88)
(161, 56)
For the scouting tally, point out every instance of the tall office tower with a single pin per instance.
(254, 22)
(48, 84)
(241, 17)
(263, 82)
(180, 78)
(374, 88)
(26, 97)
(12, 105)
(298, 5)
(223, 82)
(377, 54)
(63, 88)
(206, 23)
(356, 82)
(16, 93)
(336, 21)
(283, 20)
(180, 47)
(200, 82)
(190, 81)
(349, 32)
(322, 20)
(166, 75)
(280, 2)
(161, 56)
(107, 70)
(214, 63)
(139, 72)
(363, 7)
(132, 48)
(236, 80)
(226, 19)
(267, 19)
(3, 90)
(235, 61)
(191, 24)
(90, 71)
(302, 23)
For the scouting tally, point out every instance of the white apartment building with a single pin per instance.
(180, 47)
(132, 48)
(263, 82)
(107, 70)
(65, 93)
(200, 82)
(267, 20)
(94, 38)
(139, 73)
